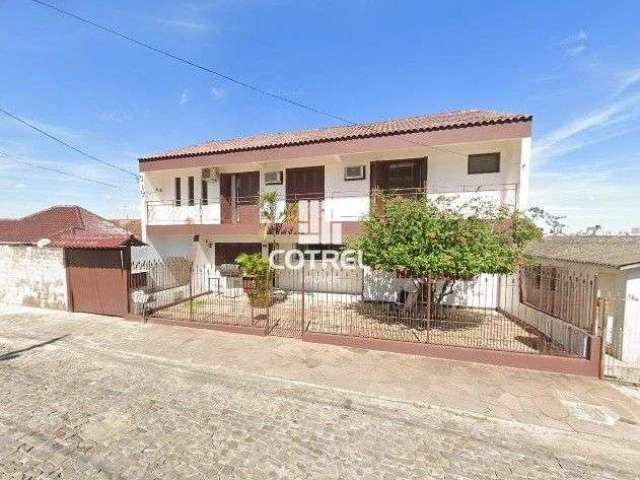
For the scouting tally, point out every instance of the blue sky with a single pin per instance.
(573, 65)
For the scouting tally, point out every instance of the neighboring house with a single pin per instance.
(201, 201)
(68, 258)
(615, 263)
(133, 226)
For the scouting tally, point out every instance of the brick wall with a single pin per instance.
(32, 276)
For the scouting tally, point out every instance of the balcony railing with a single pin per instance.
(331, 206)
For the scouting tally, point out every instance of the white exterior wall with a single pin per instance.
(33, 276)
(348, 200)
(631, 329)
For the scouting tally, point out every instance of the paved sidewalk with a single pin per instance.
(85, 396)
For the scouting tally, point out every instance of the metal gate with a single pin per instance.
(358, 307)
(97, 280)
(621, 324)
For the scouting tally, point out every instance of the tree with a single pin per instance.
(433, 242)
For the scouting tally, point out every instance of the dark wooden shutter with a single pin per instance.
(305, 183)
(247, 187)
(191, 190)
(225, 197)
(178, 192)
(204, 193)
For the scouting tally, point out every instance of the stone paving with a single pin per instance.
(88, 400)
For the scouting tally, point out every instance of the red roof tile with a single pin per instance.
(131, 225)
(66, 226)
(440, 121)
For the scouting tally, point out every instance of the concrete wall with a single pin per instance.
(32, 276)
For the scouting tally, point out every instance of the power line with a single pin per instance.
(224, 76)
(62, 142)
(62, 172)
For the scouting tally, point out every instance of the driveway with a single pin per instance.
(84, 396)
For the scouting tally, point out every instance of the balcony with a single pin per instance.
(242, 216)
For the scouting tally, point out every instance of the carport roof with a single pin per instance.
(67, 226)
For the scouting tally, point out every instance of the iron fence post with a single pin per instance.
(302, 320)
(427, 338)
(191, 292)
(603, 341)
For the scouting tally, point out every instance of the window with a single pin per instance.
(178, 192)
(204, 193)
(190, 186)
(484, 163)
(402, 175)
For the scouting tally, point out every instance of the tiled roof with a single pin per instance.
(131, 225)
(440, 121)
(66, 226)
(608, 251)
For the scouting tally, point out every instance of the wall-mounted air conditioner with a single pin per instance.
(354, 173)
(210, 174)
(273, 178)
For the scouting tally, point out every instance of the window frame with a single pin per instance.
(476, 156)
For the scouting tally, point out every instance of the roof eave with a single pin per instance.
(521, 119)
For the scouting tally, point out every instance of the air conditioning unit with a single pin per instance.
(210, 174)
(273, 178)
(354, 173)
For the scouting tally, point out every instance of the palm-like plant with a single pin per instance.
(278, 214)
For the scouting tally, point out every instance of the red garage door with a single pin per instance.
(98, 281)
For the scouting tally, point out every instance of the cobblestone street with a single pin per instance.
(88, 397)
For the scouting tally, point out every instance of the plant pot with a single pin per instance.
(258, 290)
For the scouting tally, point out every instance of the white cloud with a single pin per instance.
(185, 97)
(217, 92)
(593, 127)
(184, 25)
(576, 44)
(576, 50)
(595, 194)
(627, 80)
(19, 186)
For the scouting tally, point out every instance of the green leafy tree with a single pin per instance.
(433, 241)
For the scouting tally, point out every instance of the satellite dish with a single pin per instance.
(43, 242)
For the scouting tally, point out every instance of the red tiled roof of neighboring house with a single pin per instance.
(66, 226)
(616, 251)
(131, 225)
(440, 121)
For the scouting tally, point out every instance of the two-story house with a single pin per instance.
(202, 201)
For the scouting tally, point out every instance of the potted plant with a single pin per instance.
(255, 279)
